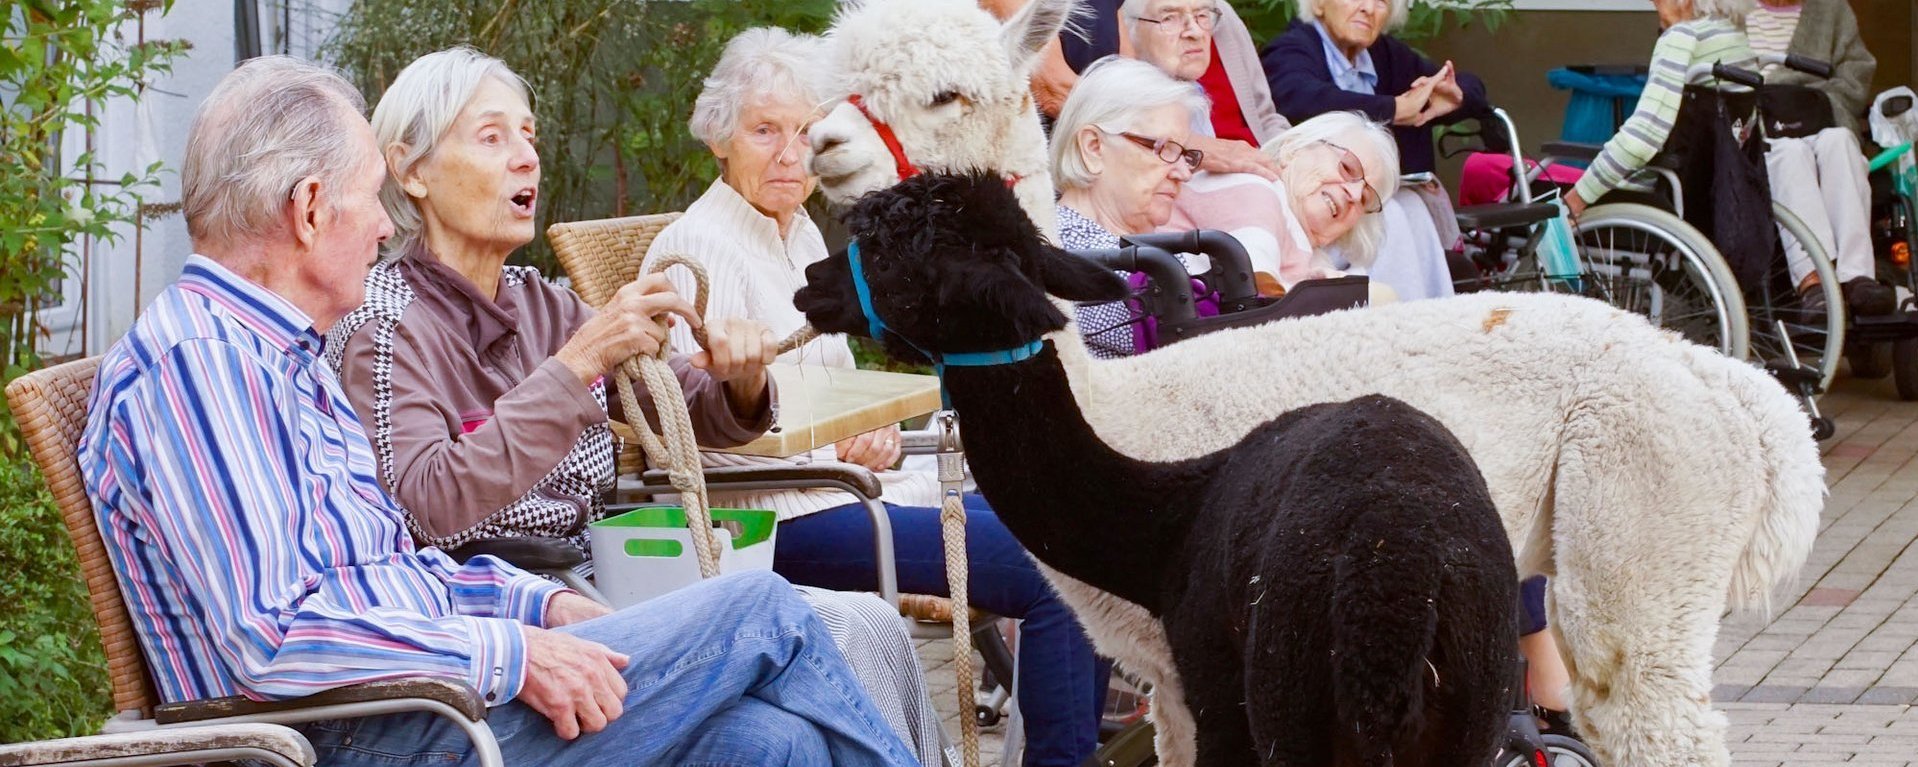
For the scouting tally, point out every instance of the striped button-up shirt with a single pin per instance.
(236, 494)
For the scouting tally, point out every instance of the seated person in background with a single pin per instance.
(1696, 32)
(1822, 177)
(1119, 158)
(236, 496)
(1197, 41)
(482, 382)
(751, 233)
(1338, 56)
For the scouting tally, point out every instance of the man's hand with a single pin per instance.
(741, 350)
(632, 323)
(878, 450)
(1228, 156)
(568, 607)
(573, 682)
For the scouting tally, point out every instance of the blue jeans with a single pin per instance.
(736, 670)
(1062, 684)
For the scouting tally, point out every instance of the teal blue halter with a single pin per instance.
(877, 328)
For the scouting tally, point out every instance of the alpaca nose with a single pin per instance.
(823, 143)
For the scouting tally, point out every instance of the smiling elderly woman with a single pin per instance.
(481, 383)
(1121, 164)
(753, 237)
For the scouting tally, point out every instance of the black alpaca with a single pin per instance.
(1337, 587)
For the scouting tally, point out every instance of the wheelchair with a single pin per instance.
(1882, 346)
(1170, 301)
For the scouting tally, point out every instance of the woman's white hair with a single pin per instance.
(415, 113)
(1395, 16)
(761, 61)
(268, 124)
(1362, 243)
(1733, 11)
(1113, 93)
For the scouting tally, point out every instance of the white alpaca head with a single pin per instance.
(949, 80)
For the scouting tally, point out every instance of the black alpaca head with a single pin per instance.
(954, 266)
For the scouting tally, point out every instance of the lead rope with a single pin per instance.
(677, 452)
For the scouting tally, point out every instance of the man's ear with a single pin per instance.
(1079, 279)
(303, 211)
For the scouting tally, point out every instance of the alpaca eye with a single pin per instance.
(944, 98)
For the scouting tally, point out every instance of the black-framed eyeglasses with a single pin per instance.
(1350, 169)
(1173, 21)
(1168, 150)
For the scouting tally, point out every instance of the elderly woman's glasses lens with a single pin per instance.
(1350, 169)
(1173, 21)
(1168, 150)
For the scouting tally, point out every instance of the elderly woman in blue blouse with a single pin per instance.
(1340, 56)
(751, 233)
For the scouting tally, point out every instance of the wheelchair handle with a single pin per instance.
(1743, 77)
(1169, 277)
(1231, 271)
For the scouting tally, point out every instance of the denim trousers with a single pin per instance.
(733, 671)
(1062, 683)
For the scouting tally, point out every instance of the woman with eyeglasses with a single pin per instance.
(1122, 165)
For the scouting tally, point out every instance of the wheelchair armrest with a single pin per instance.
(1569, 150)
(524, 552)
(859, 478)
(185, 743)
(458, 695)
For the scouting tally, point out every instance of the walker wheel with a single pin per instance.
(985, 717)
(1822, 428)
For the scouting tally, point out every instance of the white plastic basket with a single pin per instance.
(648, 551)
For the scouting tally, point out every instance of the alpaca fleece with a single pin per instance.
(1657, 481)
(1322, 615)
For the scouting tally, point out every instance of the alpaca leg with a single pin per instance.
(1127, 633)
(1645, 546)
(1216, 694)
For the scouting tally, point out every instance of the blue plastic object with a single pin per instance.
(1601, 99)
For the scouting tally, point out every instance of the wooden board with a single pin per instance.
(819, 406)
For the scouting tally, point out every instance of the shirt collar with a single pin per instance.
(729, 203)
(487, 320)
(1359, 76)
(266, 313)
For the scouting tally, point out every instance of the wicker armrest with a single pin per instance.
(188, 744)
(859, 478)
(524, 552)
(459, 695)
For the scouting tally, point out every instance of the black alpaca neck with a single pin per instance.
(1078, 505)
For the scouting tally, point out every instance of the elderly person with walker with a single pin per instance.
(237, 498)
(751, 234)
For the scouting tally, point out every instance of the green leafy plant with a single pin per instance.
(53, 678)
(58, 62)
(1426, 19)
(613, 84)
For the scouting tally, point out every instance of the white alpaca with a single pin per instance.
(1652, 478)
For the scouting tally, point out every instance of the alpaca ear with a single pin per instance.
(1074, 278)
(1030, 30)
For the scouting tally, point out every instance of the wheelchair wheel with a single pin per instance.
(1869, 361)
(1560, 751)
(1818, 339)
(1904, 364)
(1649, 262)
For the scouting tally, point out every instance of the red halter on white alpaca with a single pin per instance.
(906, 168)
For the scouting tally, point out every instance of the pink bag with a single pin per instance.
(1487, 178)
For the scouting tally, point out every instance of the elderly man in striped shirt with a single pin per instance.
(237, 495)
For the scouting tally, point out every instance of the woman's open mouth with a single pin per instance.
(522, 201)
(1332, 203)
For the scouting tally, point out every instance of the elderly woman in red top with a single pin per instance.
(481, 383)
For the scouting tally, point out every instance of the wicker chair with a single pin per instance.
(51, 407)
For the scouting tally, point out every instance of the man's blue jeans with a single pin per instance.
(736, 670)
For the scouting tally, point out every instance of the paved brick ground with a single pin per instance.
(1832, 678)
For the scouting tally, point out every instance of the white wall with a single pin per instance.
(122, 277)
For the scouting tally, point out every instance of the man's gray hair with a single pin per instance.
(1733, 11)
(1344, 129)
(415, 113)
(1113, 94)
(762, 61)
(267, 124)
(1395, 15)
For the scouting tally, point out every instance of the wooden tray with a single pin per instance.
(819, 406)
